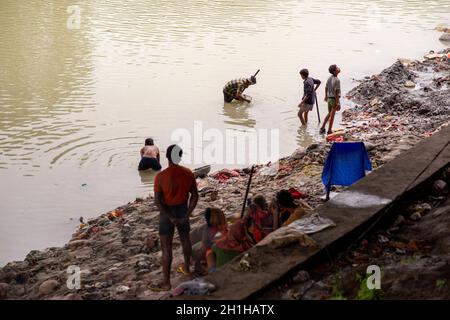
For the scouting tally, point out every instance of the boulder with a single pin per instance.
(48, 286)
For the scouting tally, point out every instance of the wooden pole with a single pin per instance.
(247, 191)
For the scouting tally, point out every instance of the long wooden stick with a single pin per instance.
(247, 191)
(317, 105)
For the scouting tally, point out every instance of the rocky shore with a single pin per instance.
(118, 253)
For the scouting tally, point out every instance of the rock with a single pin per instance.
(301, 276)
(416, 216)
(409, 84)
(78, 243)
(298, 154)
(445, 37)
(4, 288)
(7, 277)
(213, 196)
(150, 244)
(440, 187)
(122, 289)
(405, 62)
(48, 286)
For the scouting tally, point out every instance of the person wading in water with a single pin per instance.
(149, 156)
(234, 89)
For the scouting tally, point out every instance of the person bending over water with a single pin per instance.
(234, 89)
(149, 156)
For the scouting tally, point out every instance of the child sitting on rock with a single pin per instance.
(202, 238)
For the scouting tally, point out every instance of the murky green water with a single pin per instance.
(76, 104)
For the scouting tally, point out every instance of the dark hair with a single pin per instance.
(149, 142)
(174, 153)
(332, 69)
(215, 218)
(284, 199)
(260, 201)
(304, 72)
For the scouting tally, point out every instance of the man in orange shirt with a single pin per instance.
(176, 196)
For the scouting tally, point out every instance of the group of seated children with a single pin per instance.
(215, 243)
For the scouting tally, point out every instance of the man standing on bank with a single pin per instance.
(234, 89)
(309, 94)
(176, 196)
(332, 97)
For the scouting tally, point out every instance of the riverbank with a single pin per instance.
(118, 253)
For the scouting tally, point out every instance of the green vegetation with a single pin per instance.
(364, 293)
(441, 283)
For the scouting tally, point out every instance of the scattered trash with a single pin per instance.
(82, 223)
(409, 84)
(382, 239)
(244, 264)
(195, 287)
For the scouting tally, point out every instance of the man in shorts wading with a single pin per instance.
(176, 196)
(310, 86)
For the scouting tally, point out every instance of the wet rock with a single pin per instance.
(301, 277)
(48, 286)
(4, 288)
(445, 37)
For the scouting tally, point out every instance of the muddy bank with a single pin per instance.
(119, 254)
